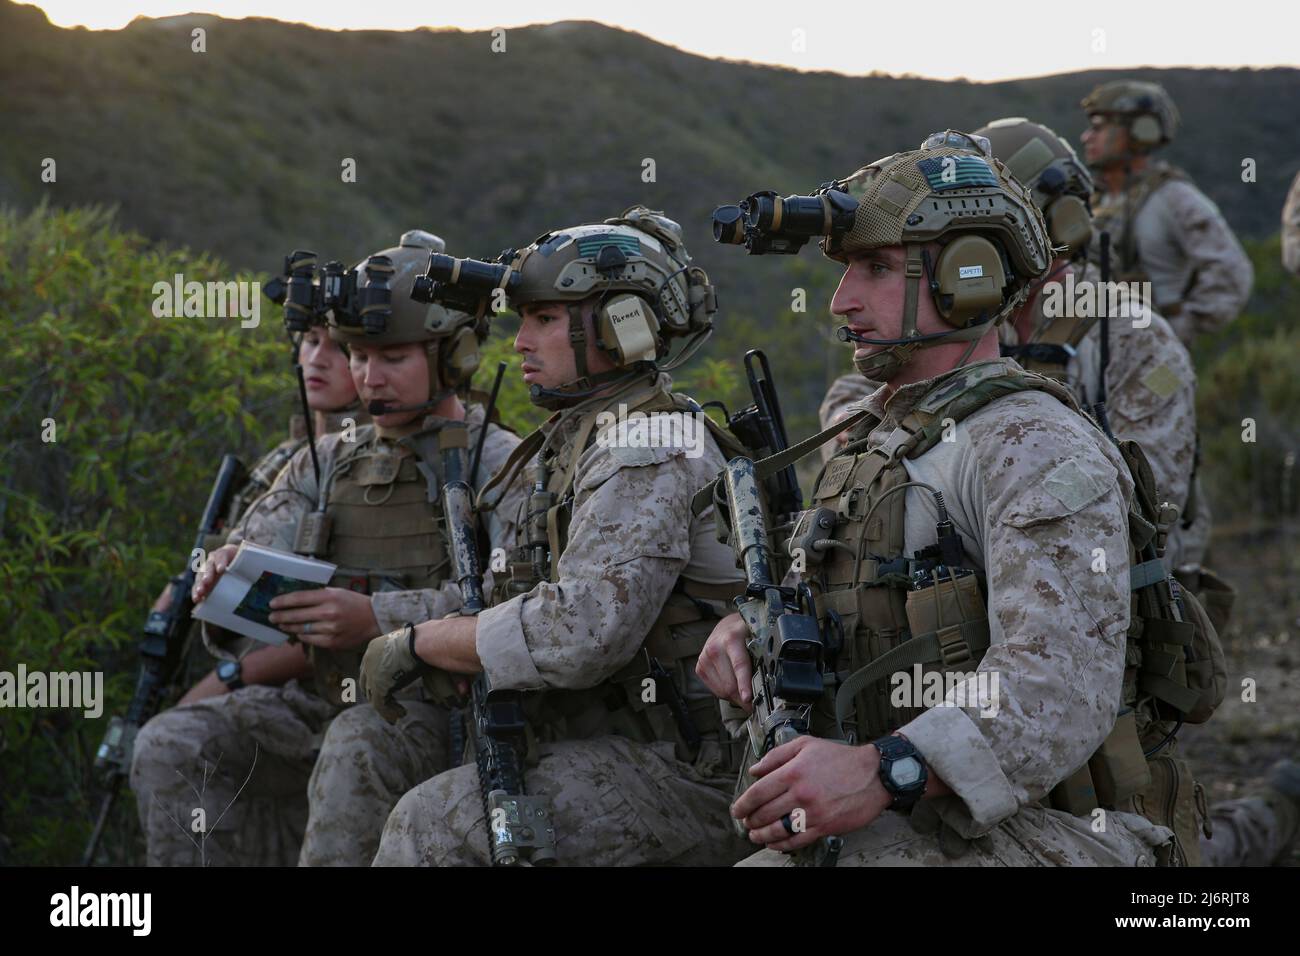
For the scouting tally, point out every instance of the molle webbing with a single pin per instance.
(867, 587)
(616, 705)
(382, 519)
(1137, 191)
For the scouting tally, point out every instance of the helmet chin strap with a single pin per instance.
(437, 392)
(587, 383)
(378, 406)
(884, 365)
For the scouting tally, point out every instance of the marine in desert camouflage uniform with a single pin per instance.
(1291, 229)
(1150, 399)
(1034, 490)
(629, 589)
(1150, 385)
(1163, 229)
(245, 756)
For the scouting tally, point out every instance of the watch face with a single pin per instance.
(905, 772)
(227, 670)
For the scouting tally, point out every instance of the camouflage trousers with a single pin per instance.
(615, 803)
(1250, 831)
(365, 766)
(223, 781)
(1033, 837)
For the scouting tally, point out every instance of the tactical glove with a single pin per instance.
(389, 665)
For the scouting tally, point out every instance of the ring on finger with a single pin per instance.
(306, 628)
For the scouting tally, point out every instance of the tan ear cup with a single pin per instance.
(1069, 223)
(1145, 130)
(971, 280)
(459, 358)
(628, 329)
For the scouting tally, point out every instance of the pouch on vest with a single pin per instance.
(1181, 661)
(1119, 768)
(1216, 597)
(949, 604)
(313, 536)
(1076, 794)
(1207, 671)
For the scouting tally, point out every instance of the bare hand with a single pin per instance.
(828, 788)
(212, 571)
(333, 618)
(724, 665)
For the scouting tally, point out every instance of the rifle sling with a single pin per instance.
(773, 463)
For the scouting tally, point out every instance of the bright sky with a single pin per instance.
(933, 38)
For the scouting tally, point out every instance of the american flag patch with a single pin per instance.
(957, 172)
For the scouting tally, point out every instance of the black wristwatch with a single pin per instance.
(902, 771)
(230, 673)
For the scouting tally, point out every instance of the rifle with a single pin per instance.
(161, 654)
(786, 645)
(761, 428)
(519, 826)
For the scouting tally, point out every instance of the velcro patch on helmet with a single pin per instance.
(591, 245)
(957, 172)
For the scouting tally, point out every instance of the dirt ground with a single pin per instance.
(1231, 753)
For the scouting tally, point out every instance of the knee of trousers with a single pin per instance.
(405, 833)
(161, 747)
(356, 735)
(431, 823)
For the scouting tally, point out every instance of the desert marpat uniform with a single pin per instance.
(263, 474)
(213, 743)
(624, 788)
(1150, 398)
(1150, 388)
(260, 479)
(1179, 241)
(1291, 228)
(1034, 490)
(365, 763)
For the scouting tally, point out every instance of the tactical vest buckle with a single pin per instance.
(953, 649)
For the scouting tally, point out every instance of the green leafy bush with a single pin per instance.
(114, 423)
(1250, 373)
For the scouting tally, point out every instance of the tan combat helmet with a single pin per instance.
(1052, 171)
(648, 293)
(1145, 108)
(383, 313)
(994, 241)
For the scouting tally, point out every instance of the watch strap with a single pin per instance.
(234, 682)
(892, 749)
